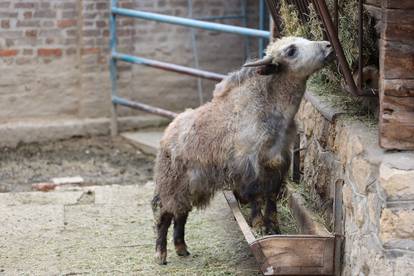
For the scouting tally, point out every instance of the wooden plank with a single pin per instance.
(374, 11)
(338, 225)
(397, 4)
(398, 87)
(396, 60)
(396, 122)
(398, 32)
(234, 205)
(324, 108)
(397, 136)
(306, 219)
(296, 255)
(402, 16)
(392, 105)
(376, 3)
(398, 25)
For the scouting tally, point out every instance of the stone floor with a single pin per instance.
(107, 230)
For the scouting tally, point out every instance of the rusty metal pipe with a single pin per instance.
(360, 42)
(333, 38)
(168, 66)
(144, 107)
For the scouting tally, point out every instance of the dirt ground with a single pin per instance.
(106, 226)
(99, 160)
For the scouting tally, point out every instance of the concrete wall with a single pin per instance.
(378, 190)
(54, 56)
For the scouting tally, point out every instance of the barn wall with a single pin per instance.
(377, 190)
(397, 74)
(54, 56)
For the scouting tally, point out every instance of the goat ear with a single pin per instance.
(268, 69)
(264, 61)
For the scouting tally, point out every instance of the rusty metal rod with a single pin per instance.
(336, 15)
(143, 107)
(168, 66)
(333, 38)
(322, 19)
(360, 42)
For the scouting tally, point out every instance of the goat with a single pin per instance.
(240, 140)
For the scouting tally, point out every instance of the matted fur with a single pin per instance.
(241, 139)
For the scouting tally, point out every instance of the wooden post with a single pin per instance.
(338, 226)
(397, 75)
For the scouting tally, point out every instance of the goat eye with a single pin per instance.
(291, 51)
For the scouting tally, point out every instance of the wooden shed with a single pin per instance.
(396, 118)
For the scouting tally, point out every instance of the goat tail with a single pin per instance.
(156, 208)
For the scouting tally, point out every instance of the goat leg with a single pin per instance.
(162, 226)
(179, 232)
(270, 217)
(256, 216)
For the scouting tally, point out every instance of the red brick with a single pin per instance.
(66, 23)
(51, 52)
(8, 53)
(89, 51)
(5, 24)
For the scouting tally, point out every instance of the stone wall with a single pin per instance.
(378, 189)
(54, 56)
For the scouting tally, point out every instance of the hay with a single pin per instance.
(328, 81)
(311, 200)
(287, 222)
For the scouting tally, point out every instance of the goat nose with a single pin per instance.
(328, 45)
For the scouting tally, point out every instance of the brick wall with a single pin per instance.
(54, 56)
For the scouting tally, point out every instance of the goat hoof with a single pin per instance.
(273, 230)
(161, 257)
(257, 222)
(181, 250)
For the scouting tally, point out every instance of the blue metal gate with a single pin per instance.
(187, 22)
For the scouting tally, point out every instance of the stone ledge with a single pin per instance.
(14, 133)
(329, 112)
(378, 190)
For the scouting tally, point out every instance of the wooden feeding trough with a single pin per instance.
(314, 252)
(310, 253)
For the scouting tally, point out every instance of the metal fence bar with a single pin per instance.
(195, 54)
(115, 56)
(190, 22)
(261, 26)
(168, 66)
(113, 70)
(219, 17)
(144, 107)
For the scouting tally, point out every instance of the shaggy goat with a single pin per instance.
(239, 140)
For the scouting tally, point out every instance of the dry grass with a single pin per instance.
(328, 81)
(287, 222)
(310, 199)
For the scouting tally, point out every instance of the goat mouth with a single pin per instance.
(330, 57)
